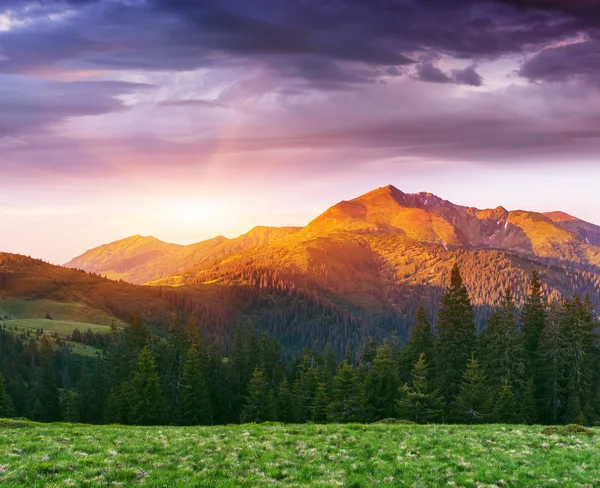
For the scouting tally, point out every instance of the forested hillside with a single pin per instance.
(537, 364)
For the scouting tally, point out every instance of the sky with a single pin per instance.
(189, 119)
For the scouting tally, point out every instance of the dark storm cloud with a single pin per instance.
(331, 43)
(426, 71)
(467, 76)
(27, 105)
(578, 60)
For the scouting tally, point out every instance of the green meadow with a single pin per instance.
(350, 455)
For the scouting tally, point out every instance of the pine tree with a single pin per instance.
(455, 337)
(533, 319)
(553, 357)
(305, 387)
(147, 406)
(472, 402)
(527, 405)
(286, 408)
(70, 407)
(345, 403)
(505, 404)
(582, 359)
(321, 405)
(256, 402)
(196, 408)
(45, 389)
(382, 383)
(501, 349)
(420, 341)
(6, 409)
(418, 402)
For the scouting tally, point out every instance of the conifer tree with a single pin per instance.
(256, 402)
(45, 388)
(418, 402)
(527, 405)
(346, 395)
(6, 409)
(455, 337)
(70, 407)
(420, 341)
(533, 319)
(500, 346)
(286, 408)
(305, 387)
(147, 403)
(196, 408)
(472, 403)
(382, 383)
(505, 404)
(553, 356)
(321, 405)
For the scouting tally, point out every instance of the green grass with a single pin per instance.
(61, 327)
(71, 312)
(295, 455)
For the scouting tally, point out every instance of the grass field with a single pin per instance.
(61, 327)
(71, 312)
(295, 455)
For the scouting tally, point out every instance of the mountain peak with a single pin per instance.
(560, 216)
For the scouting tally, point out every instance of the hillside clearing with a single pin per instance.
(294, 455)
(65, 311)
(61, 327)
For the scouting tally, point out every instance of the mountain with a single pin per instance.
(361, 267)
(33, 286)
(427, 218)
(140, 259)
(587, 232)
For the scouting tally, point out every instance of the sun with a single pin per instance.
(196, 211)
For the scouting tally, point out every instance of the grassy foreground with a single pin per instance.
(295, 455)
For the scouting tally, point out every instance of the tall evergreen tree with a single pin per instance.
(256, 403)
(533, 319)
(382, 383)
(553, 357)
(285, 404)
(500, 346)
(6, 409)
(505, 404)
(420, 341)
(196, 408)
(472, 404)
(418, 402)
(70, 406)
(147, 403)
(455, 337)
(346, 396)
(45, 397)
(321, 405)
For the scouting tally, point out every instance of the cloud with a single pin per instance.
(426, 71)
(558, 64)
(192, 103)
(332, 45)
(467, 76)
(29, 105)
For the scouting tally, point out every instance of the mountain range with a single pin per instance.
(361, 267)
(387, 211)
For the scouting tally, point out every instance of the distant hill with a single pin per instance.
(30, 288)
(140, 259)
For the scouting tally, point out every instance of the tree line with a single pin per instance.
(536, 364)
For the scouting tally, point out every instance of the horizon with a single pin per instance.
(235, 233)
(184, 121)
